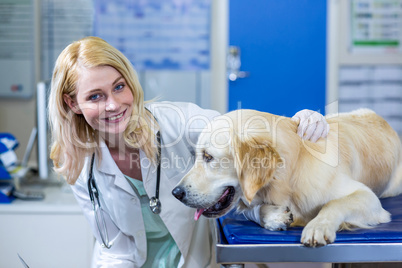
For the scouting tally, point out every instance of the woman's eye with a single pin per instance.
(94, 97)
(119, 87)
(207, 157)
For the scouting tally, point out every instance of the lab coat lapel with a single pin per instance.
(122, 206)
(148, 170)
(179, 228)
(108, 166)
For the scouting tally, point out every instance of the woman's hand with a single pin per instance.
(312, 125)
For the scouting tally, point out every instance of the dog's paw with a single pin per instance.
(275, 218)
(318, 234)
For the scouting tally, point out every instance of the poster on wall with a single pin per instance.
(16, 49)
(61, 23)
(154, 34)
(376, 26)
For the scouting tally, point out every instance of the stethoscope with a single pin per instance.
(154, 203)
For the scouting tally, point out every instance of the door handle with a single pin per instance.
(233, 64)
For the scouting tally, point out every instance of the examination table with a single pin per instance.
(241, 241)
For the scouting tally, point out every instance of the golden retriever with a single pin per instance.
(248, 158)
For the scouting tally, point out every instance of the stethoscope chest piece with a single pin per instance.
(155, 205)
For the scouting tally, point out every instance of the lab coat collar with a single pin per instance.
(109, 167)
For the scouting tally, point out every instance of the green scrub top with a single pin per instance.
(162, 251)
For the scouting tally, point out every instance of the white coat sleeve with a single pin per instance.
(197, 119)
(186, 119)
(118, 255)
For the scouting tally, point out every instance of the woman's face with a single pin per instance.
(103, 98)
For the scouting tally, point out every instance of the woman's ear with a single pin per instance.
(72, 104)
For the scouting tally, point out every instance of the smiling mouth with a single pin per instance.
(116, 117)
(215, 210)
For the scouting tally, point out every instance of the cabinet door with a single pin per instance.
(283, 50)
(45, 240)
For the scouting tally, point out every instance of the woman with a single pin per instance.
(104, 132)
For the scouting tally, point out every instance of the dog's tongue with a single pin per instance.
(198, 213)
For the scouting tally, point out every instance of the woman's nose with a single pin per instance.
(111, 105)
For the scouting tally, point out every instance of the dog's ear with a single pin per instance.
(255, 163)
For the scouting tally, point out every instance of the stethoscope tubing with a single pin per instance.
(94, 195)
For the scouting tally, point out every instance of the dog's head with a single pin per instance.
(235, 158)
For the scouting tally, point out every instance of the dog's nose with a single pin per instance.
(179, 192)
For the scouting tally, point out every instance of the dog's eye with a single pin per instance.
(207, 157)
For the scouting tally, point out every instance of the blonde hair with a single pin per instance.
(72, 137)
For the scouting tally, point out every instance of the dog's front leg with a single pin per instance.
(271, 217)
(275, 218)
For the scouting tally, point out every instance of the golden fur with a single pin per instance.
(332, 184)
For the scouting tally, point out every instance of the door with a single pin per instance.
(282, 47)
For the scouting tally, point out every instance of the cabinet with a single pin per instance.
(49, 233)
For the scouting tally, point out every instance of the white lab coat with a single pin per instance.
(180, 125)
